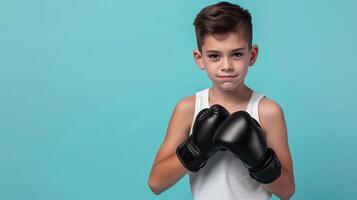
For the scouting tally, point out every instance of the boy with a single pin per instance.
(204, 134)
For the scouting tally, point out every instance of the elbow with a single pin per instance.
(289, 193)
(292, 190)
(153, 187)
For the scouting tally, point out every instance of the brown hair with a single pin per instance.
(222, 18)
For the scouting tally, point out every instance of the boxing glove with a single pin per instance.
(242, 135)
(199, 147)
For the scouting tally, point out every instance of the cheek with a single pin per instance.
(211, 72)
(243, 65)
(205, 63)
(209, 66)
(243, 71)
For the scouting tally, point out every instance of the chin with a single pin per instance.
(227, 86)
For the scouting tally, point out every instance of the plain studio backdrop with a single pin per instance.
(87, 89)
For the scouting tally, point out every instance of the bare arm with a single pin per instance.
(167, 169)
(273, 122)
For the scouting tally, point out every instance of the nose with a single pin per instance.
(226, 65)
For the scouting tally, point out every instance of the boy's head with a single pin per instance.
(222, 18)
(225, 50)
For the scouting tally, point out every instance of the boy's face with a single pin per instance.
(226, 59)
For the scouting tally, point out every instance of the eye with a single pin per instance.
(237, 54)
(213, 56)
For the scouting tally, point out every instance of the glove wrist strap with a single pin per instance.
(268, 171)
(189, 155)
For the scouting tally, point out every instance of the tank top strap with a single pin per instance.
(200, 103)
(201, 100)
(253, 104)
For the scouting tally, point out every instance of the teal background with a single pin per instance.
(87, 89)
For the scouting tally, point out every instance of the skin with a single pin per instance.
(221, 55)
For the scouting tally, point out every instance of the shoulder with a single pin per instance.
(186, 104)
(269, 107)
(270, 112)
(185, 110)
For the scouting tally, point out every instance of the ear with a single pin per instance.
(253, 54)
(198, 59)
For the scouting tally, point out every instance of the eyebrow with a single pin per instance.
(215, 51)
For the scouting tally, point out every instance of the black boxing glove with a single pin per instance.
(199, 147)
(242, 135)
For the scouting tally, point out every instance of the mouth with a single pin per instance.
(227, 77)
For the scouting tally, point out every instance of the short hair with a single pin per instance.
(222, 18)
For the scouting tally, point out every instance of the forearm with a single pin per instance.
(166, 173)
(284, 186)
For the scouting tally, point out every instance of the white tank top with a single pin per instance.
(224, 176)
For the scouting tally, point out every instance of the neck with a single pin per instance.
(238, 95)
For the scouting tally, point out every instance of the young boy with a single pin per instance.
(231, 140)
